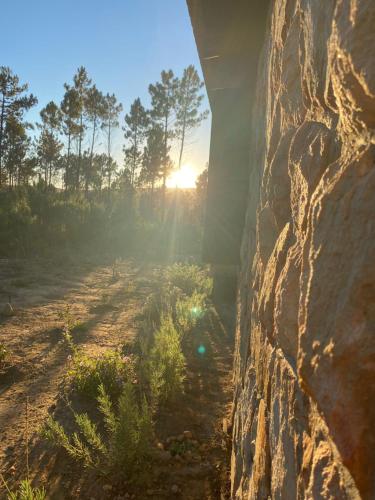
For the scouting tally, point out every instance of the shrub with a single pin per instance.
(166, 363)
(130, 431)
(128, 437)
(160, 304)
(110, 369)
(189, 310)
(189, 278)
(25, 492)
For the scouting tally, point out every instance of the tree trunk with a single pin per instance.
(79, 150)
(109, 156)
(1, 137)
(67, 163)
(91, 156)
(165, 165)
(182, 142)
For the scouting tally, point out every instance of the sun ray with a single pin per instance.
(184, 178)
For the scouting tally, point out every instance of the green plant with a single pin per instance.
(189, 310)
(159, 304)
(70, 324)
(26, 492)
(88, 454)
(189, 278)
(130, 431)
(127, 441)
(111, 369)
(166, 364)
(181, 447)
(4, 354)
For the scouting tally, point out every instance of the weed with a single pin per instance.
(70, 325)
(4, 354)
(128, 436)
(115, 271)
(180, 448)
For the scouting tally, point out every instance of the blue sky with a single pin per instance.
(124, 44)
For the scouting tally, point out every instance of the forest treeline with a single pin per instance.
(60, 185)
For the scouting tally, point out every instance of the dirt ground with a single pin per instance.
(108, 309)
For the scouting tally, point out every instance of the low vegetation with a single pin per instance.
(127, 439)
(129, 388)
(189, 309)
(4, 354)
(112, 370)
(188, 279)
(25, 491)
(166, 362)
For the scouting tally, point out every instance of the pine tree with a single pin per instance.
(96, 113)
(13, 104)
(16, 144)
(136, 125)
(48, 150)
(112, 110)
(70, 114)
(51, 116)
(81, 84)
(153, 160)
(49, 145)
(163, 101)
(188, 103)
(110, 169)
(99, 165)
(153, 165)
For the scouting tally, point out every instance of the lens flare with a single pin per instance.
(201, 350)
(195, 311)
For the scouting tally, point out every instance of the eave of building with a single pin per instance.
(229, 36)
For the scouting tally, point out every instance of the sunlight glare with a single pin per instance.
(183, 179)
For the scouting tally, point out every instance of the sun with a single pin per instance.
(184, 178)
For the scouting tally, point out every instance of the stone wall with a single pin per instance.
(304, 406)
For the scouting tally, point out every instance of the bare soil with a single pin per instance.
(108, 307)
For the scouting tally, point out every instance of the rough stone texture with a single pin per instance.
(304, 412)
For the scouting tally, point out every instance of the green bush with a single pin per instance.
(160, 304)
(189, 310)
(111, 369)
(126, 443)
(166, 364)
(189, 278)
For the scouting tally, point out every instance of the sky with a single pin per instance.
(124, 45)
